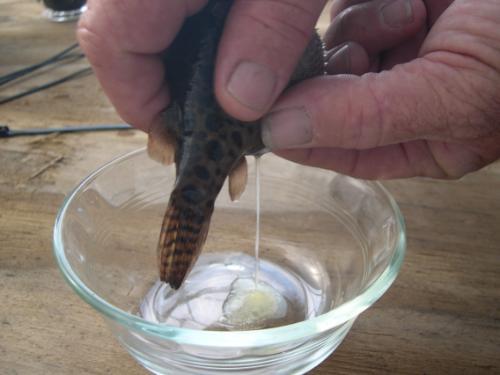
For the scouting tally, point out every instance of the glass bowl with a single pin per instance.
(330, 247)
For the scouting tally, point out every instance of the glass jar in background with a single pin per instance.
(63, 10)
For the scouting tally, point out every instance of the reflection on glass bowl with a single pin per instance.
(330, 247)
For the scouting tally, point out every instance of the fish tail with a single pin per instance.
(183, 233)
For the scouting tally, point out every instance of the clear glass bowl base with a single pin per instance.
(330, 247)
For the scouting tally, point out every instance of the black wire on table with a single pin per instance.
(29, 69)
(78, 74)
(6, 132)
(25, 71)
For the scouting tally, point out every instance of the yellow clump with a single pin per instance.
(251, 306)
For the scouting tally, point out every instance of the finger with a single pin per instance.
(458, 159)
(404, 104)
(395, 161)
(404, 52)
(339, 6)
(377, 25)
(435, 9)
(349, 58)
(262, 43)
(417, 158)
(122, 48)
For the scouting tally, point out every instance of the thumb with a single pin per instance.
(376, 109)
(261, 45)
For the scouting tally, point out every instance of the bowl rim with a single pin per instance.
(341, 314)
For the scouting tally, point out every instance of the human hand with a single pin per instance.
(127, 64)
(123, 41)
(435, 114)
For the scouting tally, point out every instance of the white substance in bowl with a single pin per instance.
(252, 306)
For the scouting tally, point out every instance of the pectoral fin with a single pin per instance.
(238, 178)
(162, 139)
(161, 146)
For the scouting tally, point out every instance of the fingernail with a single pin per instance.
(397, 13)
(340, 61)
(287, 128)
(252, 85)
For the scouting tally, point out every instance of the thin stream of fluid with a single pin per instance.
(257, 218)
(231, 290)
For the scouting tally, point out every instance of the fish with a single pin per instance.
(205, 143)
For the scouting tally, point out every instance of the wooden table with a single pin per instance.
(442, 315)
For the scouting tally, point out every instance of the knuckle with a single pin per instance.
(291, 20)
(92, 43)
(474, 106)
(456, 172)
(286, 31)
(452, 161)
(470, 89)
(339, 5)
(344, 27)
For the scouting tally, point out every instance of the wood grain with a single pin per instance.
(442, 315)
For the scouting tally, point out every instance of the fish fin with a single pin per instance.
(182, 236)
(161, 146)
(238, 178)
(162, 139)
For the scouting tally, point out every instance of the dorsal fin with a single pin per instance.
(238, 178)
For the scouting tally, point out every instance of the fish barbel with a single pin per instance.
(206, 144)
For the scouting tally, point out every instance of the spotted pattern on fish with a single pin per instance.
(209, 144)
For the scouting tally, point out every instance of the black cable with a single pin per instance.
(6, 132)
(31, 69)
(24, 72)
(78, 74)
(21, 72)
